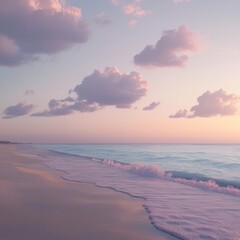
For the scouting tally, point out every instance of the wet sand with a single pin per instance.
(36, 203)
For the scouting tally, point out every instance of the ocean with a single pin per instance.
(190, 191)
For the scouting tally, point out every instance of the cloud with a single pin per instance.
(172, 50)
(134, 9)
(65, 107)
(111, 88)
(29, 28)
(18, 110)
(9, 53)
(103, 19)
(216, 103)
(98, 90)
(212, 104)
(180, 114)
(151, 106)
(131, 7)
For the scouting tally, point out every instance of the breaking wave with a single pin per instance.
(139, 169)
(190, 179)
(183, 204)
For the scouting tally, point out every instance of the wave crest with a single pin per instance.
(152, 171)
(139, 169)
(209, 185)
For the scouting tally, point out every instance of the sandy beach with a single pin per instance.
(36, 203)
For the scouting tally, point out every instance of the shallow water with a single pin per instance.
(190, 191)
(221, 162)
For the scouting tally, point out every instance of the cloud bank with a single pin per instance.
(172, 50)
(29, 28)
(151, 106)
(212, 104)
(18, 110)
(98, 90)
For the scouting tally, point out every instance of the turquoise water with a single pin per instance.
(190, 191)
(203, 162)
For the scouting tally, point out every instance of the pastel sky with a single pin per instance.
(120, 71)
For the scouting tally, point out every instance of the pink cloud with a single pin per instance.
(9, 52)
(131, 7)
(29, 28)
(180, 114)
(18, 110)
(172, 50)
(212, 104)
(65, 107)
(98, 90)
(112, 88)
(151, 106)
(134, 9)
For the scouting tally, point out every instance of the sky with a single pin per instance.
(120, 71)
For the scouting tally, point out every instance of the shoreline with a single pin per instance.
(36, 203)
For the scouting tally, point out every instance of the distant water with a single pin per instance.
(191, 191)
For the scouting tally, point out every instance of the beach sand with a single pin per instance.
(36, 203)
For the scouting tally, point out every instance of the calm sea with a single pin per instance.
(190, 191)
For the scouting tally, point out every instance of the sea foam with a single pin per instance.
(136, 168)
(179, 206)
(182, 208)
(152, 171)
